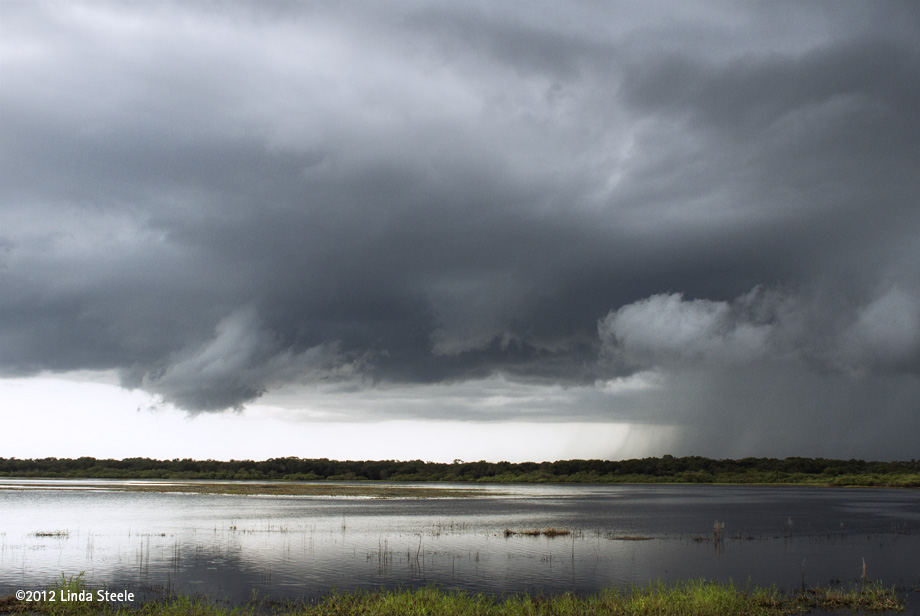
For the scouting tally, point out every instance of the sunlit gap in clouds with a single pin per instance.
(89, 415)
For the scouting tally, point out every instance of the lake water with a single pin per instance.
(228, 547)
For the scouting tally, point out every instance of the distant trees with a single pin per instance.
(666, 469)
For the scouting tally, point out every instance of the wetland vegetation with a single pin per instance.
(302, 489)
(697, 598)
(537, 532)
(666, 469)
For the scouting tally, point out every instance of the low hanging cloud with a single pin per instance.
(666, 329)
(241, 362)
(885, 334)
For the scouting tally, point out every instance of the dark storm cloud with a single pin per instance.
(217, 200)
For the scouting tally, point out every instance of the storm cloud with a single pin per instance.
(716, 201)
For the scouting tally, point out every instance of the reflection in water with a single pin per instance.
(301, 547)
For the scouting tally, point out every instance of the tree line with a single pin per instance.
(665, 469)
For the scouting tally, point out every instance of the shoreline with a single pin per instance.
(366, 489)
(354, 489)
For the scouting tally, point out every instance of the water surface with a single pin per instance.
(228, 547)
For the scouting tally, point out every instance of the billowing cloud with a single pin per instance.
(881, 335)
(239, 363)
(664, 329)
(220, 202)
(886, 333)
(767, 368)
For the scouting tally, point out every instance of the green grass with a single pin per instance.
(692, 598)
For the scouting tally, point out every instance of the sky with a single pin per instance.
(459, 229)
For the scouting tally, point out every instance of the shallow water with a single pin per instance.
(229, 547)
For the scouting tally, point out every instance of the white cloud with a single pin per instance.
(824, 333)
(666, 329)
(886, 332)
(638, 382)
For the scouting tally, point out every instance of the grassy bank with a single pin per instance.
(696, 598)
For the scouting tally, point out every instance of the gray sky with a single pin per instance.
(696, 222)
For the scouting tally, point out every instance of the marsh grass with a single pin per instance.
(298, 489)
(281, 488)
(536, 532)
(691, 598)
(871, 597)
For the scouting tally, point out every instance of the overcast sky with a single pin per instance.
(459, 229)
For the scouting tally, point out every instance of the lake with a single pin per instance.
(300, 547)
